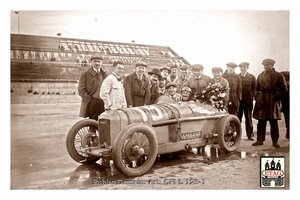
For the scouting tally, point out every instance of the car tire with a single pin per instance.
(77, 136)
(130, 161)
(229, 133)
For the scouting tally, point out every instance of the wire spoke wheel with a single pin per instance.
(85, 138)
(135, 150)
(82, 134)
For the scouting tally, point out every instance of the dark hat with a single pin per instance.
(186, 88)
(231, 64)
(268, 61)
(217, 69)
(165, 68)
(141, 63)
(184, 66)
(155, 71)
(171, 84)
(162, 78)
(96, 57)
(171, 66)
(197, 66)
(244, 64)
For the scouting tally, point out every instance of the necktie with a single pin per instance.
(98, 75)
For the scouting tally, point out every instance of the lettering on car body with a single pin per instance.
(190, 135)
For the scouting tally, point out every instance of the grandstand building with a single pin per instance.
(52, 65)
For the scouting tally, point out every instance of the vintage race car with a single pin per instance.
(133, 137)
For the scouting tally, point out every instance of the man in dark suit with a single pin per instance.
(235, 85)
(246, 103)
(154, 77)
(197, 81)
(285, 102)
(165, 72)
(184, 76)
(89, 88)
(137, 90)
(162, 82)
(270, 89)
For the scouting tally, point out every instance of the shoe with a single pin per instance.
(275, 144)
(257, 143)
(250, 138)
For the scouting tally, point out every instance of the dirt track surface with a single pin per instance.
(39, 159)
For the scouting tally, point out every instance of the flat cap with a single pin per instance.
(171, 84)
(268, 61)
(96, 57)
(231, 64)
(217, 69)
(165, 68)
(141, 63)
(244, 64)
(197, 66)
(184, 66)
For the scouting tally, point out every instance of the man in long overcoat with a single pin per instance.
(137, 89)
(235, 85)
(270, 89)
(89, 88)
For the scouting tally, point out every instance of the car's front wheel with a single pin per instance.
(82, 134)
(135, 150)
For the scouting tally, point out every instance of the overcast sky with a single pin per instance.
(208, 37)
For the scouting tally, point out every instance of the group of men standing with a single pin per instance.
(102, 91)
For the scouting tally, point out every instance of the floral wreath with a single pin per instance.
(213, 95)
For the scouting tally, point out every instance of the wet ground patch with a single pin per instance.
(106, 171)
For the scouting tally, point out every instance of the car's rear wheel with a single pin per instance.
(82, 134)
(135, 150)
(229, 133)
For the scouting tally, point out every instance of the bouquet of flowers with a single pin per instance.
(213, 95)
